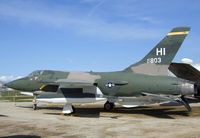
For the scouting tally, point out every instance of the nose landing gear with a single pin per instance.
(35, 107)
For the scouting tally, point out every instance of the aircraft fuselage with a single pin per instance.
(110, 83)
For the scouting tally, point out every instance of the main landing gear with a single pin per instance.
(68, 109)
(108, 106)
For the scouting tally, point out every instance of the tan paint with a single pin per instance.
(151, 69)
(83, 76)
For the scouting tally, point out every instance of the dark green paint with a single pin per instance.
(135, 84)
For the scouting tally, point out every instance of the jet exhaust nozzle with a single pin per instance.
(188, 88)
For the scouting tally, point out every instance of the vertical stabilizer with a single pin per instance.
(157, 61)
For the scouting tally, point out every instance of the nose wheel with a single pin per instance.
(35, 106)
(109, 106)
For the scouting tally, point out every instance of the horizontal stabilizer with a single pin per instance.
(185, 71)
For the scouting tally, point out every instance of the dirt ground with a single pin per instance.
(20, 120)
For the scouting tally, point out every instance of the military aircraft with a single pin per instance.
(145, 82)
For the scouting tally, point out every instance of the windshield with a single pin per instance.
(35, 73)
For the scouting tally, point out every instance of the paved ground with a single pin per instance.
(91, 121)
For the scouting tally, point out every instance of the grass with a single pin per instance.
(15, 96)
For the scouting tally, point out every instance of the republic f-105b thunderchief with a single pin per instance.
(145, 82)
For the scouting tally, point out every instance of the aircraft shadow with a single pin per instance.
(21, 136)
(162, 112)
(80, 112)
(42, 107)
(20, 106)
(3, 115)
(165, 113)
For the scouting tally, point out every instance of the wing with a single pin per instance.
(149, 98)
(185, 71)
(182, 100)
(145, 99)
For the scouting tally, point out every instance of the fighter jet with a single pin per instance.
(144, 82)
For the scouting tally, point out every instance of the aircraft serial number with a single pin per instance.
(154, 60)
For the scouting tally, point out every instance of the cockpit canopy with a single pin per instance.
(47, 75)
(39, 73)
(36, 73)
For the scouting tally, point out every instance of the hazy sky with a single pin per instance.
(84, 35)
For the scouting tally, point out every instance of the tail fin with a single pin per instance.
(157, 61)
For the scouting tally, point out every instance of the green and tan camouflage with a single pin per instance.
(146, 79)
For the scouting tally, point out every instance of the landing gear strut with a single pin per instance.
(184, 101)
(109, 106)
(35, 107)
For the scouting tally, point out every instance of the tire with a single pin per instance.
(108, 106)
(74, 110)
(34, 106)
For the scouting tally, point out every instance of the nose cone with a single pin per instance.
(24, 84)
(6, 85)
(17, 84)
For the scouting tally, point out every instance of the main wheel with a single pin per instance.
(108, 106)
(74, 110)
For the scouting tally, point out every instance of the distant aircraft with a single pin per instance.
(145, 82)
